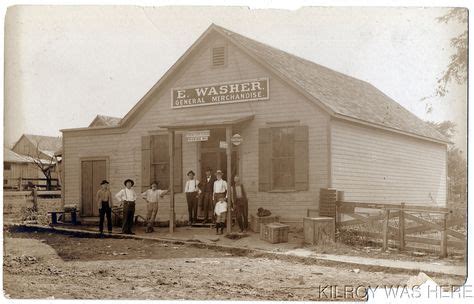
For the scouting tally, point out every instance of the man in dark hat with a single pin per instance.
(127, 197)
(207, 187)
(192, 192)
(104, 201)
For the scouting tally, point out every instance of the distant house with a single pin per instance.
(38, 146)
(17, 168)
(105, 121)
(19, 162)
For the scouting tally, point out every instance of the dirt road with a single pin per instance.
(42, 265)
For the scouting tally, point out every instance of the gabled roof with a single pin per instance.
(103, 121)
(340, 95)
(10, 156)
(46, 144)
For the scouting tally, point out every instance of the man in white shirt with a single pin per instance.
(151, 196)
(127, 197)
(192, 192)
(220, 187)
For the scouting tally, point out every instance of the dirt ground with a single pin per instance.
(45, 265)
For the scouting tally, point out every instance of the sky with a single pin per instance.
(66, 64)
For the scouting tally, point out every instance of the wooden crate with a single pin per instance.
(319, 230)
(256, 221)
(274, 233)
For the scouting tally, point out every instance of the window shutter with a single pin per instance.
(178, 163)
(146, 162)
(301, 158)
(264, 159)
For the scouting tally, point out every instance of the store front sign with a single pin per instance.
(229, 92)
(194, 136)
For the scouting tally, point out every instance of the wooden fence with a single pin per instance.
(402, 223)
(20, 184)
(32, 195)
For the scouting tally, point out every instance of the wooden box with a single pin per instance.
(274, 233)
(319, 230)
(256, 221)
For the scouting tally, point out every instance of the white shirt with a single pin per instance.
(126, 195)
(221, 206)
(152, 196)
(220, 186)
(191, 185)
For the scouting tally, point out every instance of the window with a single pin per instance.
(218, 56)
(160, 160)
(283, 158)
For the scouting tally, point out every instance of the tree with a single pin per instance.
(457, 68)
(45, 165)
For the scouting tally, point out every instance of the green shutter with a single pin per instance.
(264, 159)
(301, 158)
(146, 162)
(178, 163)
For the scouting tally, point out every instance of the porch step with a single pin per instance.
(90, 220)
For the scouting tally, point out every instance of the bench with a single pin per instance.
(54, 216)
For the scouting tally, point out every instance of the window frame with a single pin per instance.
(274, 188)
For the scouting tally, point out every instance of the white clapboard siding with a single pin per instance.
(372, 165)
(285, 104)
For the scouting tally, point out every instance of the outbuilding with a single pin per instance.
(287, 126)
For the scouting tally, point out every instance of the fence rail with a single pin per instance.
(399, 223)
(30, 195)
(20, 183)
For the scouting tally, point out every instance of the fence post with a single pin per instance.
(34, 192)
(444, 237)
(385, 230)
(338, 213)
(401, 227)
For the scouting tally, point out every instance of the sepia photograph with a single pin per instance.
(235, 153)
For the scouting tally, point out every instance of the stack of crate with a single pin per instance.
(327, 202)
(256, 221)
(274, 233)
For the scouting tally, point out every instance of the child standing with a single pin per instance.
(220, 211)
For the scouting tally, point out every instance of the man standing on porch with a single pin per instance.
(207, 188)
(127, 197)
(192, 191)
(220, 187)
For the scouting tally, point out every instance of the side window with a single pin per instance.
(283, 158)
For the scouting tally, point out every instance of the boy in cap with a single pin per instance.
(192, 193)
(104, 201)
(151, 196)
(127, 197)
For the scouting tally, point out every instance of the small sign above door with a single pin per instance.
(201, 135)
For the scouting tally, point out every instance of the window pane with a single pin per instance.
(160, 149)
(162, 175)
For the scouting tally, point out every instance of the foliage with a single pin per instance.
(457, 67)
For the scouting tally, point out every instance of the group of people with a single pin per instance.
(127, 197)
(211, 194)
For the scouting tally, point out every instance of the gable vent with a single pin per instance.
(218, 56)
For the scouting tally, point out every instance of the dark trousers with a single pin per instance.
(128, 213)
(207, 204)
(105, 211)
(191, 198)
(241, 213)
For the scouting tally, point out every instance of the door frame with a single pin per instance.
(90, 158)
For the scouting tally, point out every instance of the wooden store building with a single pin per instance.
(287, 126)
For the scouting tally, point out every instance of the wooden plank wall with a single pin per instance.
(376, 165)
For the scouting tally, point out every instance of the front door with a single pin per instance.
(92, 172)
